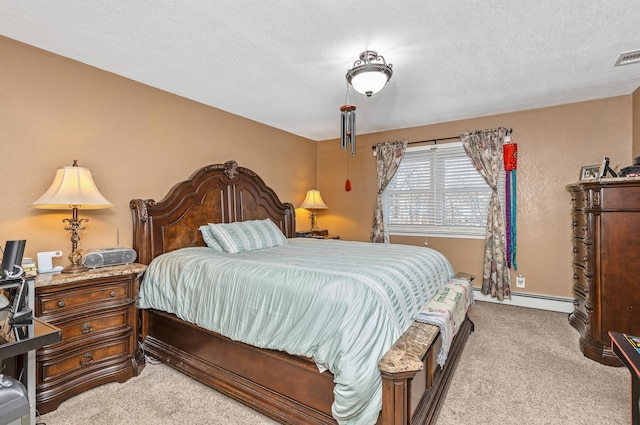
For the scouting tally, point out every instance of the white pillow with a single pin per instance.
(209, 239)
(247, 235)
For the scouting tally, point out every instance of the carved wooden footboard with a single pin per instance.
(287, 388)
(290, 389)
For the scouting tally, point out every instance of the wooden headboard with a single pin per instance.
(219, 193)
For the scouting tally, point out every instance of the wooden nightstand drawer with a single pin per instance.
(99, 321)
(87, 297)
(85, 359)
(93, 326)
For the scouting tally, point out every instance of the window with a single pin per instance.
(437, 192)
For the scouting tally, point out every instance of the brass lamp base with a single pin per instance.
(76, 262)
(314, 220)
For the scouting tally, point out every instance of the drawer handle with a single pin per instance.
(113, 293)
(86, 360)
(575, 250)
(87, 328)
(575, 223)
(585, 228)
(61, 304)
(575, 276)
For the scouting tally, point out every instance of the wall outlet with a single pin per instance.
(520, 281)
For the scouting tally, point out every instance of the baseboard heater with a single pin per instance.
(522, 299)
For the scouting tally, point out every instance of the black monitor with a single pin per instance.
(20, 312)
(12, 278)
(12, 259)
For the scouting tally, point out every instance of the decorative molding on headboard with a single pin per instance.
(230, 169)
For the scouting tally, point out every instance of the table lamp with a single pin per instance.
(73, 188)
(312, 202)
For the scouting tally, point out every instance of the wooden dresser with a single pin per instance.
(606, 263)
(97, 315)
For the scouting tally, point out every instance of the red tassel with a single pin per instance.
(347, 186)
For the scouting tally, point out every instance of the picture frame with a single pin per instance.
(605, 169)
(590, 172)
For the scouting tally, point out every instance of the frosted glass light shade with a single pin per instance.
(72, 187)
(313, 201)
(369, 82)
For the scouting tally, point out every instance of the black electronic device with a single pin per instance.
(20, 312)
(12, 279)
(17, 291)
(12, 259)
(630, 171)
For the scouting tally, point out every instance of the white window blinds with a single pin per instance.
(437, 192)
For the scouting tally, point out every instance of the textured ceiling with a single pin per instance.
(283, 63)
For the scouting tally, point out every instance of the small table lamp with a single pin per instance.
(313, 201)
(73, 188)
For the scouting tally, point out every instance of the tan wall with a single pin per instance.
(636, 123)
(136, 140)
(139, 141)
(553, 144)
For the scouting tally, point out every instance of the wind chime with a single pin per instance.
(348, 132)
(510, 154)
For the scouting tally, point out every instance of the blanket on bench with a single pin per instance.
(447, 310)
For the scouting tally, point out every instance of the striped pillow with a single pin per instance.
(247, 235)
(209, 239)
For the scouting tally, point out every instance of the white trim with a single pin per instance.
(522, 299)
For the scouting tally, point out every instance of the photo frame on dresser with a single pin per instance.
(605, 169)
(588, 172)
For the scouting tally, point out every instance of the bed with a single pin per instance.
(289, 388)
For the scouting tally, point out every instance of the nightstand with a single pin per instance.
(316, 234)
(99, 321)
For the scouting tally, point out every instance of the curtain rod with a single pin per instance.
(435, 141)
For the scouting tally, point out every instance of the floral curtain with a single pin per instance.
(388, 156)
(484, 148)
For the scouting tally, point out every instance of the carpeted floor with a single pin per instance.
(520, 366)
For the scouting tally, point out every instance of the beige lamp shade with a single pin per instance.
(72, 187)
(313, 201)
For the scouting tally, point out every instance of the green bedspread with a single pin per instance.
(341, 303)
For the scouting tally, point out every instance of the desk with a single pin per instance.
(630, 357)
(23, 340)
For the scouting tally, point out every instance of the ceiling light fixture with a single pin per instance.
(370, 73)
